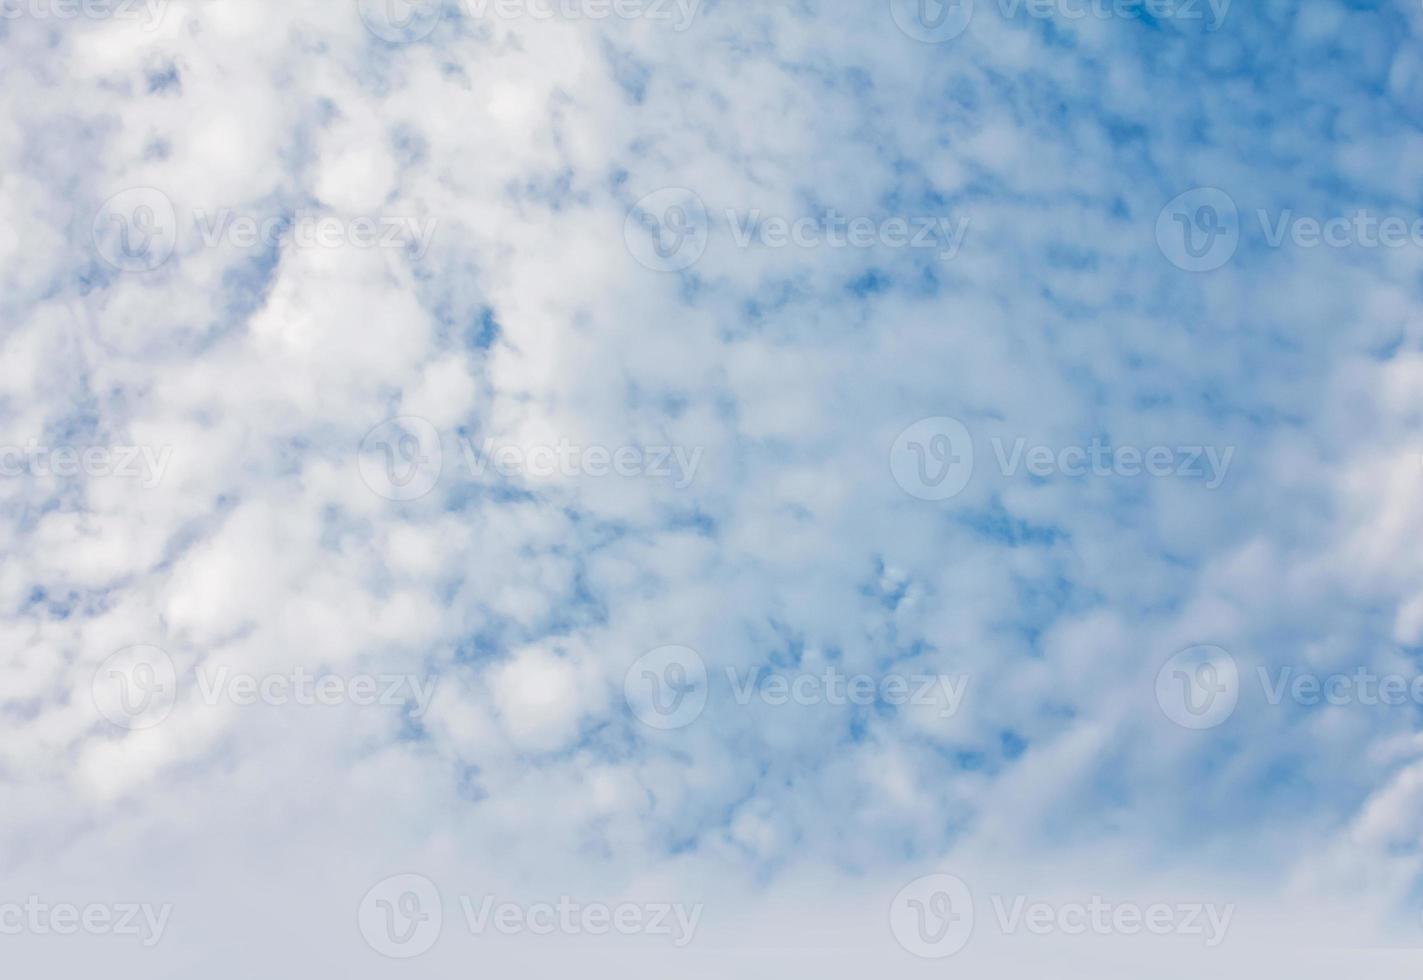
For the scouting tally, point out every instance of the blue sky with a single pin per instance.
(826, 465)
